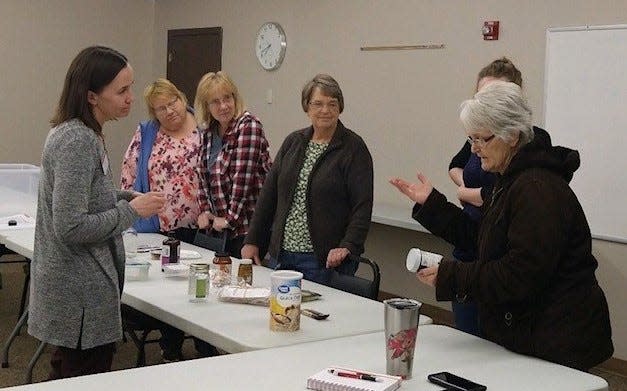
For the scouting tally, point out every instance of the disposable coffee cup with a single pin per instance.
(285, 299)
(401, 332)
(419, 259)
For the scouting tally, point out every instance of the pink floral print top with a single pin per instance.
(173, 170)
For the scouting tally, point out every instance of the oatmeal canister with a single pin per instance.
(285, 297)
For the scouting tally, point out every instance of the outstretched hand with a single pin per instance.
(417, 192)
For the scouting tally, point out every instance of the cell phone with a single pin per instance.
(454, 382)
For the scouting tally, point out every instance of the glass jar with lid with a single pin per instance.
(195, 270)
(221, 270)
(245, 272)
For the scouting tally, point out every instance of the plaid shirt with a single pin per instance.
(231, 187)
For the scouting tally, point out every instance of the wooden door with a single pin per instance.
(191, 54)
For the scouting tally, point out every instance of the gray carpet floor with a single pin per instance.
(24, 345)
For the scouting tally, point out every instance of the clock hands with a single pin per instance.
(264, 50)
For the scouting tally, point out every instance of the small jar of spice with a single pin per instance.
(245, 272)
(221, 270)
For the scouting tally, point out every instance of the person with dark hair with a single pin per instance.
(77, 269)
(317, 200)
(533, 277)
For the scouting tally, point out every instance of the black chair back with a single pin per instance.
(358, 285)
(209, 241)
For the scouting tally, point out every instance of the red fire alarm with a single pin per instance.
(491, 30)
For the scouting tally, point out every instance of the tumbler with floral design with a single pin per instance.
(401, 330)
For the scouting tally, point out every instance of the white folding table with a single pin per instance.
(239, 327)
(439, 348)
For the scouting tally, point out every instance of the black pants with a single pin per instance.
(68, 362)
(171, 338)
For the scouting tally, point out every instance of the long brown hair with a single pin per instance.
(91, 70)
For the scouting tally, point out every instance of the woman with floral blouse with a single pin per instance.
(164, 156)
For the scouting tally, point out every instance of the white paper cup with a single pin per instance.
(285, 299)
(419, 259)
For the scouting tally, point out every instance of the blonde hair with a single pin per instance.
(161, 87)
(208, 87)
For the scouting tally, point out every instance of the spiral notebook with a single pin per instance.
(336, 379)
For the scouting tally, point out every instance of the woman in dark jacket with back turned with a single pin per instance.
(317, 199)
(533, 279)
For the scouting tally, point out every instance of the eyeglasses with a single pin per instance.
(479, 142)
(164, 109)
(318, 105)
(226, 99)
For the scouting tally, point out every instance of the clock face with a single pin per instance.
(270, 45)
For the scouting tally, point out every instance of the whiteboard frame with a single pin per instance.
(609, 238)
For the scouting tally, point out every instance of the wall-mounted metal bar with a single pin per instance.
(402, 47)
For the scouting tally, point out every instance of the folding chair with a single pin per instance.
(358, 285)
(138, 326)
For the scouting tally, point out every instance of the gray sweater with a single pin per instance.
(78, 264)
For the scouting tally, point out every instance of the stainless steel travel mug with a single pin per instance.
(401, 330)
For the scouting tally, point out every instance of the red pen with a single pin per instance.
(353, 375)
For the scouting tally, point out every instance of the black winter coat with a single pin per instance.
(339, 194)
(533, 279)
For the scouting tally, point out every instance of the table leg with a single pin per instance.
(16, 331)
(33, 361)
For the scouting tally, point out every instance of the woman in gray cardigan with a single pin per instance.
(78, 263)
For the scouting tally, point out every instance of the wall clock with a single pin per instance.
(270, 45)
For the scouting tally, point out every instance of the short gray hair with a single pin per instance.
(327, 85)
(501, 108)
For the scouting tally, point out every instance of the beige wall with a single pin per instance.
(404, 103)
(38, 40)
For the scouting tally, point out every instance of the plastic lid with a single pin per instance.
(246, 262)
(221, 254)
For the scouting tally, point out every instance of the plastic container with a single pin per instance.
(129, 237)
(23, 178)
(18, 184)
(137, 270)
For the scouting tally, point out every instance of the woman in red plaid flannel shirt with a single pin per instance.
(235, 159)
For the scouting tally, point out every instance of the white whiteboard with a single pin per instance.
(585, 108)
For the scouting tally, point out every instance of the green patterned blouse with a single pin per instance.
(296, 237)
